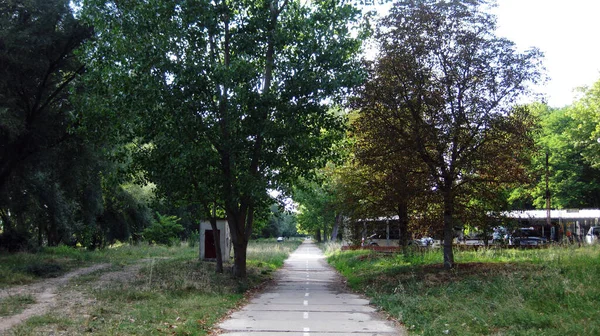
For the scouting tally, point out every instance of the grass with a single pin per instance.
(15, 304)
(550, 291)
(178, 295)
(24, 268)
(271, 253)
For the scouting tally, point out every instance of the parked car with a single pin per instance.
(500, 235)
(371, 240)
(593, 235)
(279, 239)
(527, 237)
(423, 242)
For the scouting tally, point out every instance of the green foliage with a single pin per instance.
(442, 97)
(222, 100)
(193, 239)
(585, 134)
(515, 292)
(324, 201)
(566, 135)
(164, 231)
(279, 223)
(56, 184)
(41, 182)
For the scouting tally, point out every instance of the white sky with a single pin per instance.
(567, 31)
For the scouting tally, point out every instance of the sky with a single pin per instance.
(566, 31)
(568, 34)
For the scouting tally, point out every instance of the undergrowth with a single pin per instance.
(173, 293)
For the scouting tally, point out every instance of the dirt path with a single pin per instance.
(48, 294)
(45, 294)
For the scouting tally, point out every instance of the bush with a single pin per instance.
(164, 231)
(194, 238)
(16, 241)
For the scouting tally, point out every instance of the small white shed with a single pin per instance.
(207, 243)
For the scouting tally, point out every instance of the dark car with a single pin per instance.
(527, 237)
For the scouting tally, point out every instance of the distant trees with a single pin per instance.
(568, 137)
(279, 222)
(317, 210)
(443, 88)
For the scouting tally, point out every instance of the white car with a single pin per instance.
(593, 234)
(279, 239)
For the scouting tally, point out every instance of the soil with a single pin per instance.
(53, 294)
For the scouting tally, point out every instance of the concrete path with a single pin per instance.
(307, 300)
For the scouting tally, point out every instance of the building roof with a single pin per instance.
(555, 214)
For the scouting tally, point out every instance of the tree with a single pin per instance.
(37, 41)
(46, 173)
(279, 223)
(448, 85)
(392, 179)
(316, 210)
(566, 137)
(244, 84)
(585, 136)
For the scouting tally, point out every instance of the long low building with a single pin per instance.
(569, 223)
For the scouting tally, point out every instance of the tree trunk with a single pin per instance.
(318, 235)
(53, 238)
(239, 239)
(448, 229)
(40, 237)
(239, 260)
(334, 232)
(217, 240)
(403, 223)
(6, 221)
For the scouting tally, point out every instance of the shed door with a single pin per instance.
(210, 252)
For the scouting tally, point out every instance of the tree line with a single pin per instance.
(438, 139)
(117, 115)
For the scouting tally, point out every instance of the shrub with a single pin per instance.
(194, 238)
(16, 241)
(164, 231)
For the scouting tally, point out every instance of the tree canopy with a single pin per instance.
(444, 87)
(47, 179)
(244, 86)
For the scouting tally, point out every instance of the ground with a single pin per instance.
(66, 301)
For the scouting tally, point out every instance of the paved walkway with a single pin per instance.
(307, 300)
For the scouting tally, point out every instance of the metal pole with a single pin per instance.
(548, 219)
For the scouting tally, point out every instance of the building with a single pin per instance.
(207, 242)
(571, 224)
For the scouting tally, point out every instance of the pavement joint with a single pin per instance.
(315, 305)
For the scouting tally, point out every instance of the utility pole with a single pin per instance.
(548, 219)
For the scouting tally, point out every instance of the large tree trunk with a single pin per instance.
(403, 223)
(318, 235)
(239, 260)
(240, 225)
(448, 229)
